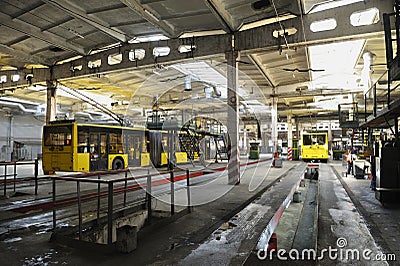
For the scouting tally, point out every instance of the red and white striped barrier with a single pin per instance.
(289, 154)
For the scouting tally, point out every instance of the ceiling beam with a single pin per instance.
(185, 15)
(261, 37)
(264, 72)
(145, 2)
(36, 32)
(106, 8)
(77, 13)
(151, 16)
(225, 19)
(40, 75)
(208, 46)
(27, 9)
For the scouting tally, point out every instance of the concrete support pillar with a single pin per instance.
(51, 107)
(233, 118)
(274, 123)
(290, 131)
(296, 121)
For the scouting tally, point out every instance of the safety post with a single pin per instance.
(110, 213)
(125, 187)
(54, 206)
(172, 192)
(148, 197)
(15, 173)
(98, 199)
(188, 190)
(36, 173)
(5, 180)
(78, 192)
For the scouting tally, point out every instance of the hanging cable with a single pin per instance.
(284, 36)
(280, 24)
(305, 39)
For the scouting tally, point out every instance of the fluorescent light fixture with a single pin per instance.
(365, 17)
(323, 25)
(188, 83)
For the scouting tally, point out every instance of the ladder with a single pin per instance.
(220, 148)
(190, 144)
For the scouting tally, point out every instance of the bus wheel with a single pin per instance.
(117, 164)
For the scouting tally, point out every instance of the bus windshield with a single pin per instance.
(313, 139)
(57, 136)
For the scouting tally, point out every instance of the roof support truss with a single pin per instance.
(150, 16)
(92, 20)
(251, 40)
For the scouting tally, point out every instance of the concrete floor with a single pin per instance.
(217, 232)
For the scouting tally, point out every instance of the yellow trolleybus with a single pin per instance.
(70, 146)
(314, 147)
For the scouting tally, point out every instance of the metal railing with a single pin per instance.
(348, 115)
(98, 178)
(13, 174)
(382, 94)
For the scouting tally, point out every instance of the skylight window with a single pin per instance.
(365, 17)
(201, 33)
(323, 25)
(161, 51)
(148, 38)
(15, 77)
(186, 48)
(331, 4)
(265, 22)
(337, 59)
(137, 54)
(114, 59)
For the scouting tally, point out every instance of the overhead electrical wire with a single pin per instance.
(92, 102)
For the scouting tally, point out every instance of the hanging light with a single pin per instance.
(188, 84)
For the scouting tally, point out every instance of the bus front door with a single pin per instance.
(98, 151)
(134, 148)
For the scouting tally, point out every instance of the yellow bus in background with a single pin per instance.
(70, 146)
(314, 147)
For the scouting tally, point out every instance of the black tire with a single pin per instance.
(117, 164)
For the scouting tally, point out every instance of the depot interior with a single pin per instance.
(292, 67)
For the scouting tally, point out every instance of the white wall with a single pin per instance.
(26, 129)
